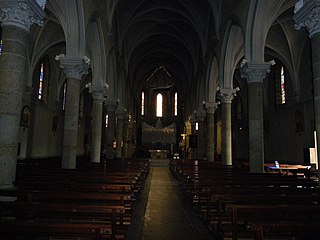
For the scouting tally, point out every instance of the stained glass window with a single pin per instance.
(282, 86)
(107, 120)
(40, 87)
(0, 46)
(176, 104)
(159, 105)
(64, 95)
(142, 103)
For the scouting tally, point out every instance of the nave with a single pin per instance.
(167, 214)
(135, 200)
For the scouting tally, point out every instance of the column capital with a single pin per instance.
(227, 94)
(211, 107)
(307, 14)
(74, 67)
(98, 92)
(255, 72)
(111, 106)
(22, 13)
(121, 112)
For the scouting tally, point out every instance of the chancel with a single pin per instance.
(149, 119)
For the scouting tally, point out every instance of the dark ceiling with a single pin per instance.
(174, 34)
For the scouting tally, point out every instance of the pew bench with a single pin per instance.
(268, 220)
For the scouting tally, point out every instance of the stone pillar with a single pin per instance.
(226, 97)
(124, 136)
(211, 108)
(16, 18)
(98, 95)
(308, 15)
(74, 70)
(255, 73)
(119, 137)
(111, 108)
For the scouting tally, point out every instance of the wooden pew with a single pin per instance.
(57, 202)
(210, 188)
(273, 220)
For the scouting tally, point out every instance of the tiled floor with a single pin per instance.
(166, 215)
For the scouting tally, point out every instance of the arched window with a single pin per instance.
(64, 96)
(142, 103)
(107, 120)
(280, 85)
(159, 105)
(283, 87)
(25, 117)
(175, 104)
(41, 78)
(1, 45)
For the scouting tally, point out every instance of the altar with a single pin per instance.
(158, 154)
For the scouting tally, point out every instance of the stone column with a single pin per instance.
(211, 108)
(74, 70)
(111, 108)
(119, 138)
(255, 73)
(124, 136)
(16, 18)
(98, 95)
(308, 15)
(226, 97)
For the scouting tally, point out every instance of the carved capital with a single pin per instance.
(255, 72)
(111, 107)
(74, 67)
(308, 16)
(211, 107)
(98, 92)
(227, 95)
(21, 13)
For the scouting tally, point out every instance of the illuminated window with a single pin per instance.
(40, 87)
(1, 46)
(107, 120)
(176, 104)
(283, 89)
(159, 105)
(142, 103)
(64, 97)
(280, 85)
(197, 126)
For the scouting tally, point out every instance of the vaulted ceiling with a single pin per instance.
(174, 34)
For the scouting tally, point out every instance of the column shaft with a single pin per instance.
(96, 129)
(315, 41)
(119, 135)
(12, 74)
(110, 131)
(210, 136)
(70, 136)
(226, 134)
(256, 138)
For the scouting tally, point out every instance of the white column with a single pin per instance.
(17, 18)
(74, 70)
(111, 108)
(255, 73)
(211, 108)
(226, 97)
(119, 132)
(98, 96)
(308, 16)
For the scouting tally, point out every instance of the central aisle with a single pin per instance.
(167, 216)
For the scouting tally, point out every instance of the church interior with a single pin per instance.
(159, 119)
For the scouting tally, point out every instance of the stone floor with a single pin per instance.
(162, 213)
